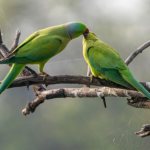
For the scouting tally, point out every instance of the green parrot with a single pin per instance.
(106, 63)
(39, 47)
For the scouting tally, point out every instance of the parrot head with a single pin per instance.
(75, 29)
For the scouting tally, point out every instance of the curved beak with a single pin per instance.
(85, 34)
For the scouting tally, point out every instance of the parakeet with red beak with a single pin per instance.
(106, 63)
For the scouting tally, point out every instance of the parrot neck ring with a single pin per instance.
(69, 35)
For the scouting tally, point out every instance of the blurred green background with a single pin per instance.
(75, 124)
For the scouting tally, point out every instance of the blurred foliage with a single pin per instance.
(75, 124)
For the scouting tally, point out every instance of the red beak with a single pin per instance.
(85, 34)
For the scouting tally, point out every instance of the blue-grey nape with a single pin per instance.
(75, 29)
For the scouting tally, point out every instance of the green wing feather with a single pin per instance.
(107, 67)
(35, 50)
(43, 48)
(29, 39)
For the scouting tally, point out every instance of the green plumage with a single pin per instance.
(39, 47)
(106, 63)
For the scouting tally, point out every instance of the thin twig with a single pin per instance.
(16, 40)
(138, 51)
(3, 49)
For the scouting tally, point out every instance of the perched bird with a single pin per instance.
(106, 63)
(39, 47)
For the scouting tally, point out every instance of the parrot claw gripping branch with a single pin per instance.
(107, 88)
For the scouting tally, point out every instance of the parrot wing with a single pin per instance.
(108, 62)
(29, 39)
(11, 55)
(37, 48)
(103, 56)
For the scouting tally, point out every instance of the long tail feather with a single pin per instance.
(131, 80)
(12, 74)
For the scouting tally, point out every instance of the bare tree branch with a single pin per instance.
(81, 92)
(61, 79)
(68, 79)
(138, 51)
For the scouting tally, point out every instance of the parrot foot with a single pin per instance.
(45, 76)
(91, 78)
(89, 74)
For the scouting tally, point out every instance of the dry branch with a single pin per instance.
(67, 79)
(83, 92)
(137, 52)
